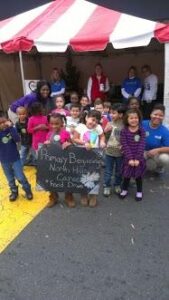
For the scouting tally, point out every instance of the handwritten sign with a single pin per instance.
(75, 169)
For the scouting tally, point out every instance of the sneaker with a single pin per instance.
(139, 196)
(107, 191)
(29, 195)
(13, 196)
(93, 201)
(117, 189)
(123, 194)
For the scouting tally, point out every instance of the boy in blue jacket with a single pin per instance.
(10, 160)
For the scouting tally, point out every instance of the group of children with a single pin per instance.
(111, 127)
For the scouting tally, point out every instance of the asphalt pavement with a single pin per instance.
(116, 251)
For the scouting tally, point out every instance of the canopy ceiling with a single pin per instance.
(80, 24)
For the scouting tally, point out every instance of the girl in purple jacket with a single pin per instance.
(133, 145)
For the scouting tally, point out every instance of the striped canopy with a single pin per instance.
(77, 23)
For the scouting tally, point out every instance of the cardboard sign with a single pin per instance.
(74, 169)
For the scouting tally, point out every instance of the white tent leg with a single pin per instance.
(22, 72)
(166, 83)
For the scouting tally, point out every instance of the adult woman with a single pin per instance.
(157, 140)
(42, 95)
(131, 86)
(98, 84)
(57, 84)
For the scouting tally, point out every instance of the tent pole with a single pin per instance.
(22, 72)
(166, 83)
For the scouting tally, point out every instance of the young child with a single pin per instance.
(60, 103)
(58, 134)
(10, 160)
(113, 155)
(74, 99)
(37, 126)
(25, 137)
(133, 145)
(73, 120)
(106, 110)
(98, 106)
(84, 102)
(89, 135)
(133, 103)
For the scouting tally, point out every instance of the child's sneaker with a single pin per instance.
(139, 196)
(13, 196)
(29, 195)
(107, 191)
(117, 189)
(93, 201)
(123, 194)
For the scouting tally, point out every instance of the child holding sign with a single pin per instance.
(58, 134)
(89, 135)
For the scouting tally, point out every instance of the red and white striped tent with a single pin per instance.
(77, 23)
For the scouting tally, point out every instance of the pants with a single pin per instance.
(158, 161)
(14, 171)
(24, 151)
(126, 182)
(12, 116)
(112, 163)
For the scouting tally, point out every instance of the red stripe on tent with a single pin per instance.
(24, 39)
(41, 23)
(161, 32)
(94, 35)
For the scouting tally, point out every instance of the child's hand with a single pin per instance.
(136, 163)
(88, 146)
(131, 163)
(65, 145)
(108, 127)
(8, 123)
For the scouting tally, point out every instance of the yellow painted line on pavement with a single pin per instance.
(15, 216)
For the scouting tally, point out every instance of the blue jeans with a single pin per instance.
(24, 151)
(112, 163)
(14, 171)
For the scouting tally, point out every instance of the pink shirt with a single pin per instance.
(38, 136)
(62, 137)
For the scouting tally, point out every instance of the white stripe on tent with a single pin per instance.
(132, 32)
(18, 22)
(57, 37)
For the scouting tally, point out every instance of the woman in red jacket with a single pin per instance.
(98, 84)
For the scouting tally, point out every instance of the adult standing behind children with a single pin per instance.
(157, 140)
(98, 84)
(57, 83)
(131, 86)
(150, 90)
(41, 95)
